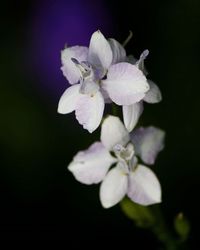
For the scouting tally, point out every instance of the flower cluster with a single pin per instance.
(104, 74)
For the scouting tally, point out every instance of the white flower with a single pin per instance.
(99, 74)
(132, 113)
(127, 177)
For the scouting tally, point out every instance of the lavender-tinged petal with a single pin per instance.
(114, 187)
(140, 62)
(90, 166)
(148, 143)
(69, 99)
(143, 186)
(113, 132)
(131, 115)
(125, 84)
(89, 110)
(118, 51)
(100, 53)
(69, 69)
(154, 94)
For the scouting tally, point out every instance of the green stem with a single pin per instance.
(161, 230)
(151, 218)
(128, 38)
(115, 109)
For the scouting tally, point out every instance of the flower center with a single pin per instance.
(126, 155)
(89, 77)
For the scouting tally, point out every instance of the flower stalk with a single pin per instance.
(151, 218)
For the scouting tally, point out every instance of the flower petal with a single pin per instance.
(69, 69)
(125, 84)
(68, 100)
(140, 62)
(143, 186)
(113, 132)
(154, 94)
(131, 115)
(148, 143)
(118, 51)
(114, 187)
(100, 53)
(90, 166)
(89, 110)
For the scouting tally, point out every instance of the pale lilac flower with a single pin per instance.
(132, 113)
(99, 74)
(127, 177)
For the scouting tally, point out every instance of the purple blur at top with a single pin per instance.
(56, 23)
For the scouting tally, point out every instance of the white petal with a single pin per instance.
(140, 62)
(100, 53)
(143, 186)
(89, 110)
(90, 166)
(69, 69)
(113, 132)
(114, 187)
(125, 84)
(154, 94)
(131, 115)
(119, 53)
(68, 100)
(148, 143)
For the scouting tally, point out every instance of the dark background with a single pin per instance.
(39, 198)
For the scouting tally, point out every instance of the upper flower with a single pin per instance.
(127, 176)
(99, 74)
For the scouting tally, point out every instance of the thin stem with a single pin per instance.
(114, 109)
(151, 218)
(128, 38)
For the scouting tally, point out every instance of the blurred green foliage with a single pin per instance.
(182, 226)
(141, 215)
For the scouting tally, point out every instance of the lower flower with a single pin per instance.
(120, 149)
